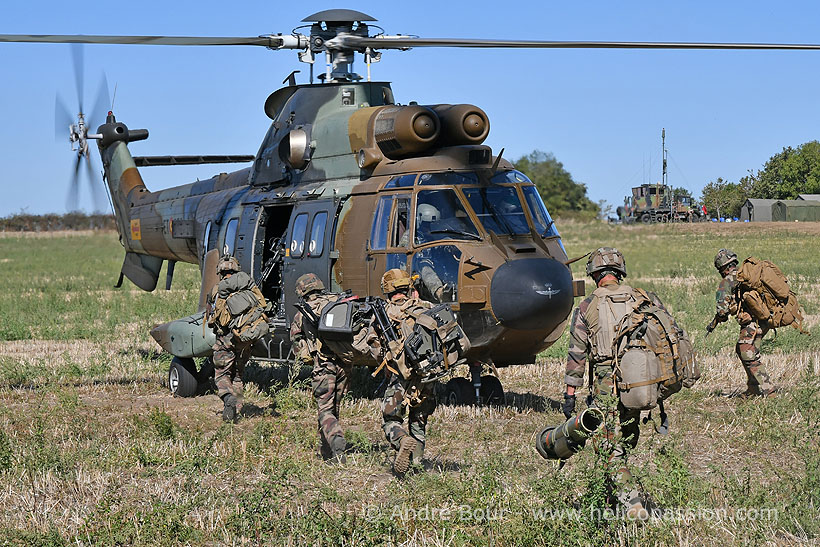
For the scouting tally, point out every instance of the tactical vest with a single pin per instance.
(237, 307)
(609, 305)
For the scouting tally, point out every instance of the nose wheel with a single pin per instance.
(479, 389)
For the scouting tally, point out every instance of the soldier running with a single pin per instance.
(405, 395)
(238, 323)
(751, 333)
(331, 375)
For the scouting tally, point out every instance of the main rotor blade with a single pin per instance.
(62, 119)
(79, 71)
(102, 105)
(267, 41)
(94, 186)
(400, 43)
(72, 199)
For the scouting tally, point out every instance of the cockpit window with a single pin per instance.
(448, 178)
(440, 215)
(499, 209)
(509, 177)
(541, 218)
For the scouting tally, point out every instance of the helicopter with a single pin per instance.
(347, 184)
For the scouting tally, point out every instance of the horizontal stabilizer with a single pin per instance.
(142, 270)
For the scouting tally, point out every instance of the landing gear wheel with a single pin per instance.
(646, 218)
(491, 391)
(182, 377)
(459, 391)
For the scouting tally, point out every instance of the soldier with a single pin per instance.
(405, 394)
(235, 332)
(590, 345)
(331, 375)
(751, 334)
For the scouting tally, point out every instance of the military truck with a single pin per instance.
(657, 203)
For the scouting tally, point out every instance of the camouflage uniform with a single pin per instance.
(601, 380)
(330, 377)
(583, 327)
(750, 337)
(403, 395)
(230, 353)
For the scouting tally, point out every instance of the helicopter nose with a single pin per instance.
(531, 294)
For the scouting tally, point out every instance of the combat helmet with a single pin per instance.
(723, 258)
(227, 264)
(395, 280)
(308, 283)
(606, 258)
(427, 213)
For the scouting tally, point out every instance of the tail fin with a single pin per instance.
(125, 185)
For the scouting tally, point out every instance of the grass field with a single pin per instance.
(94, 451)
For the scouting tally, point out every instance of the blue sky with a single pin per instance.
(600, 112)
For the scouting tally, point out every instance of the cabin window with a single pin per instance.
(381, 221)
(297, 242)
(230, 236)
(317, 234)
(441, 215)
(499, 209)
(206, 239)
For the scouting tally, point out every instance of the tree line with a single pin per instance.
(785, 175)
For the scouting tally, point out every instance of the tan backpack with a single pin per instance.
(765, 294)
(654, 357)
(237, 306)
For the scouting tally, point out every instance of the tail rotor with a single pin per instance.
(77, 127)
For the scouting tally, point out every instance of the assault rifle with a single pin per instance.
(278, 248)
(386, 329)
(307, 313)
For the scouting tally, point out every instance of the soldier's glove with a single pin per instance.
(569, 405)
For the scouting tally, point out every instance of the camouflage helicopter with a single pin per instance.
(348, 184)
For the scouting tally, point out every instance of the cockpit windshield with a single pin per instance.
(541, 218)
(441, 215)
(499, 209)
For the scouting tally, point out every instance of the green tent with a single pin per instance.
(791, 210)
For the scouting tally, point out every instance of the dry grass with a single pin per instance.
(93, 451)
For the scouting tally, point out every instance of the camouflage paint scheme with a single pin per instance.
(308, 162)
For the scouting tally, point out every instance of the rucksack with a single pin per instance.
(765, 294)
(653, 355)
(238, 307)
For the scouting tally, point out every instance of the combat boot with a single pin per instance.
(418, 452)
(406, 448)
(229, 410)
(338, 446)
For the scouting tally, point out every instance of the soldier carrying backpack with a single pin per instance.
(635, 355)
(759, 297)
(236, 312)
